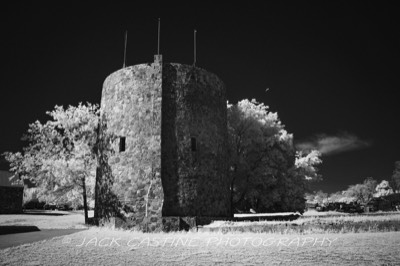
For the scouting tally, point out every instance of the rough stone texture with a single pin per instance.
(172, 223)
(178, 223)
(194, 106)
(161, 109)
(107, 204)
(11, 199)
(131, 108)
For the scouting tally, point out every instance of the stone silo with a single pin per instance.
(169, 151)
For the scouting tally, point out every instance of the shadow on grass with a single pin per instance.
(40, 212)
(14, 229)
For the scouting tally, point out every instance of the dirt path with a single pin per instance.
(19, 229)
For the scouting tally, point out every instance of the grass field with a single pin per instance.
(311, 223)
(113, 247)
(105, 246)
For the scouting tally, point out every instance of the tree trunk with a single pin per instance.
(85, 207)
(232, 209)
(96, 192)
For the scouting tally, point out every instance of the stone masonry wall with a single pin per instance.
(11, 199)
(174, 168)
(195, 182)
(131, 107)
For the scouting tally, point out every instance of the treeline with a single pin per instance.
(360, 193)
(266, 172)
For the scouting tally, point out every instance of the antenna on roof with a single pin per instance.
(194, 48)
(126, 41)
(158, 44)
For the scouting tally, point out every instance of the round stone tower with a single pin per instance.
(194, 143)
(169, 161)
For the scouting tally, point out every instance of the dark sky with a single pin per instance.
(332, 68)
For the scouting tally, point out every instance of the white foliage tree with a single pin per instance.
(266, 173)
(383, 189)
(60, 157)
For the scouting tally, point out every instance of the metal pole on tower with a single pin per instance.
(194, 48)
(126, 41)
(158, 44)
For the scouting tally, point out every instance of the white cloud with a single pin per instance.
(329, 145)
